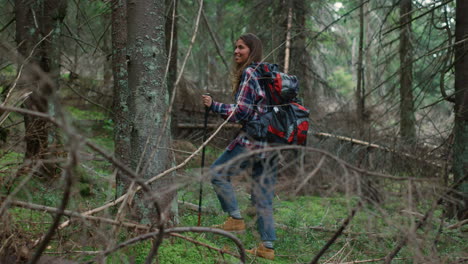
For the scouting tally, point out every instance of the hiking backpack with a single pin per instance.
(286, 121)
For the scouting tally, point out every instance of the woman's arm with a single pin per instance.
(245, 98)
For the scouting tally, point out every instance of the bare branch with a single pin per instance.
(310, 175)
(77, 215)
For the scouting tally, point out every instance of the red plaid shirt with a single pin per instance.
(250, 103)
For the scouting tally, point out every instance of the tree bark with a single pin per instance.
(121, 91)
(360, 99)
(301, 61)
(460, 144)
(407, 119)
(149, 100)
(37, 21)
(27, 35)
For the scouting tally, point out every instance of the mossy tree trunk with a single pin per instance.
(121, 91)
(407, 119)
(460, 144)
(149, 98)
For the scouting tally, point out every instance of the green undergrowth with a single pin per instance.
(304, 223)
(94, 124)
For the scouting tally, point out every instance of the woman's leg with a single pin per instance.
(264, 178)
(221, 178)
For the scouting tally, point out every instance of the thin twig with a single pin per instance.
(7, 24)
(69, 213)
(89, 100)
(26, 94)
(457, 225)
(418, 17)
(213, 37)
(288, 40)
(7, 200)
(310, 175)
(5, 243)
(337, 234)
(335, 21)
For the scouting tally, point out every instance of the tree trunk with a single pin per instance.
(460, 144)
(76, 52)
(360, 92)
(300, 57)
(281, 31)
(27, 35)
(407, 120)
(149, 100)
(121, 91)
(39, 22)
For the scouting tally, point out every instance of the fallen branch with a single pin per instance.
(375, 146)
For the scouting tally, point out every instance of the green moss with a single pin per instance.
(79, 114)
(10, 158)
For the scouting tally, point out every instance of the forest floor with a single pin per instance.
(304, 222)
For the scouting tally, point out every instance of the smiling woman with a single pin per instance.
(251, 102)
(241, 53)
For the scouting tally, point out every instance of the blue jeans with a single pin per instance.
(262, 192)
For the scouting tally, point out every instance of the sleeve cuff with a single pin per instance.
(215, 106)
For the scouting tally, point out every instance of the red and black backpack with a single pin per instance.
(286, 120)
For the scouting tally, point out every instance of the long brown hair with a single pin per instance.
(255, 55)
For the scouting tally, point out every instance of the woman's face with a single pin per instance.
(242, 52)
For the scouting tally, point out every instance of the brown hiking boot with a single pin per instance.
(262, 251)
(232, 225)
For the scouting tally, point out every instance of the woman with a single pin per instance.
(251, 102)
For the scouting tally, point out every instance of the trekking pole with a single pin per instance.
(205, 126)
